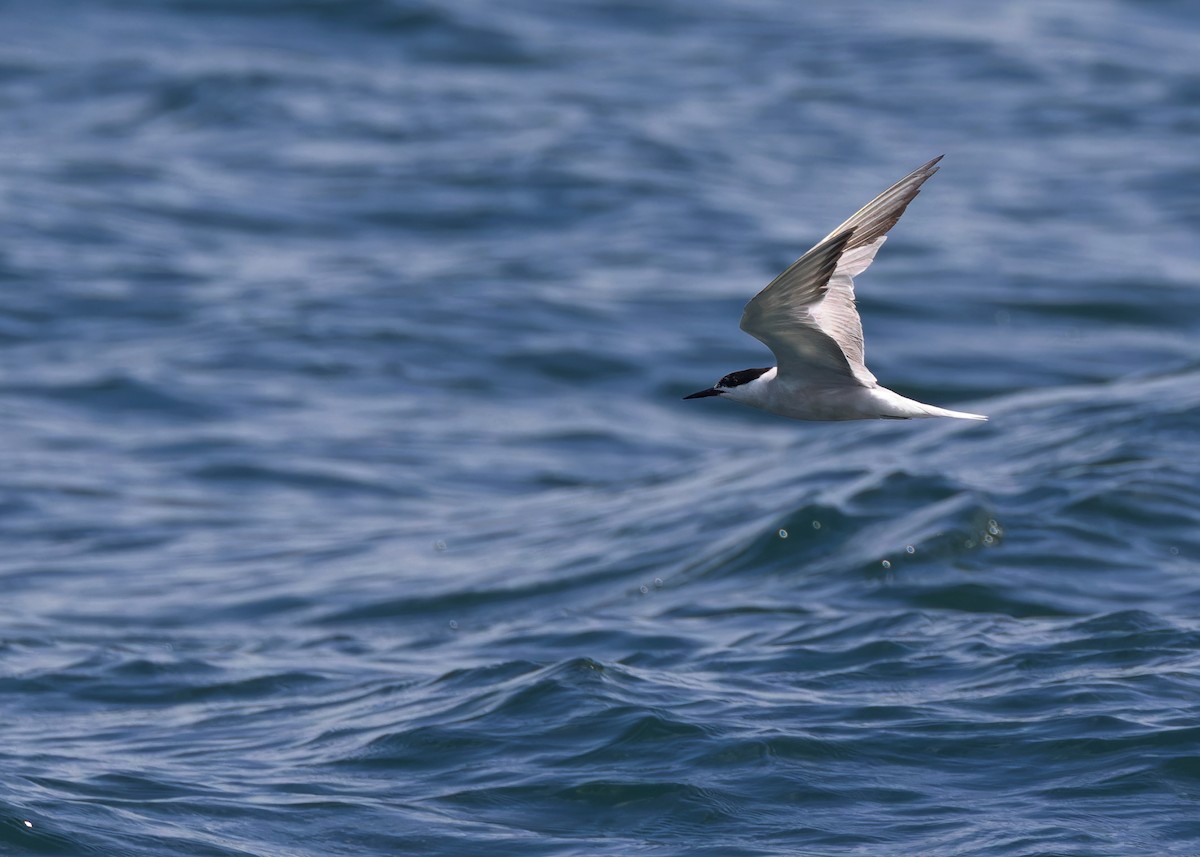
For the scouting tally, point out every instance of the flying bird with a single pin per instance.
(807, 317)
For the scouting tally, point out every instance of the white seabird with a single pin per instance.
(807, 317)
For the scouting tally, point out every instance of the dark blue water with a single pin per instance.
(349, 505)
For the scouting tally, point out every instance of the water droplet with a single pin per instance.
(988, 539)
(1174, 551)
(439, 545)
(816, 525)
(29, 824)
(886, 564)
(783, 534)
(658, 582)
(644, 589)
(453, 625)
(909, 549)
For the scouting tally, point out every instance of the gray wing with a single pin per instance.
(879, 215)
(806, 315)
(781, 318)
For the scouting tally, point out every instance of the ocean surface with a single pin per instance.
(349, 506)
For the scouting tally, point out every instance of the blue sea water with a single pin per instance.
(348, 504)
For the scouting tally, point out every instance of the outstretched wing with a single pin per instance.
(806, 315)
(780, 316)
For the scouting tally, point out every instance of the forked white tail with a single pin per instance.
(946, 412)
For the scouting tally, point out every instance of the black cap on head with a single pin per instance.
(733, 379)
(745, 376)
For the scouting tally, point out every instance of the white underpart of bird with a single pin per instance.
(807, 317)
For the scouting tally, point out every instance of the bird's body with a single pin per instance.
(807, 317)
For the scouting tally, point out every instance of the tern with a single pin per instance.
(806, 316)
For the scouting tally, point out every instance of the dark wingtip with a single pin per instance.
(926, 170)
(879, 215)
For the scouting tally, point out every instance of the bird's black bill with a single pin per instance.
(711, 391)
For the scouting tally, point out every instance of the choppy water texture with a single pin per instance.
(350, 506)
